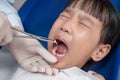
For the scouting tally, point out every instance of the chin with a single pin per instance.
(61, 65)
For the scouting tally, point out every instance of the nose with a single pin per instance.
(66, 27)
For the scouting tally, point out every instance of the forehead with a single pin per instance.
(96, 8)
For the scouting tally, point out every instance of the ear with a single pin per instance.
(101, 51)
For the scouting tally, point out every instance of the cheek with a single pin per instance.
(53, 31)
(82, 50)
(86, 40)
(54, 28)
(83, 47)
(78, 55)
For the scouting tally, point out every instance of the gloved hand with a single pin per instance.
(31, 55)
(5, 30)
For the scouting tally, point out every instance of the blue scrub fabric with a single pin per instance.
(39, 15)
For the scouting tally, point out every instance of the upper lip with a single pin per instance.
(61, 39)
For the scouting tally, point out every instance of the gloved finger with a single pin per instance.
(7, 38)
(32, 64)
(27, 64)
(28, 67)
(43, 62)
(55, 71)
(49, 70)
(31, 59)
(35, 66)
(41, 69)
(45, 54)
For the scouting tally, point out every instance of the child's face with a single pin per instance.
(77, 34)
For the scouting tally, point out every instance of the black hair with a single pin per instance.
(105, 12)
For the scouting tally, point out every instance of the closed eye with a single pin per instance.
(64, 15)
(83, 24)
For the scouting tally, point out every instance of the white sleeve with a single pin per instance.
(11, 13)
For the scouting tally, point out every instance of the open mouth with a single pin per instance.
(60, 49)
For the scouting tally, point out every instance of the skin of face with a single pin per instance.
(80, 32)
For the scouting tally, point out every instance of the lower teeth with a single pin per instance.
(57, 54)
(61, 55)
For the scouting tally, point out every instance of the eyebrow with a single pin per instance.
(67, 10)
(86, 18)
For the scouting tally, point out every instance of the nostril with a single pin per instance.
(65, 30)
(61, 28)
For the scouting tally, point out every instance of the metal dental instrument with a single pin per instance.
(34, 36)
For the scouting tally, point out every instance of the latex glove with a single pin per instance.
(37, 64)
(25, 51)
(5, 30)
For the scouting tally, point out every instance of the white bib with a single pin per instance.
(73, 73)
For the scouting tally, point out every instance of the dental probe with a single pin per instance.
(34, 36)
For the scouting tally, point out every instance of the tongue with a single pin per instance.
(61, 49)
